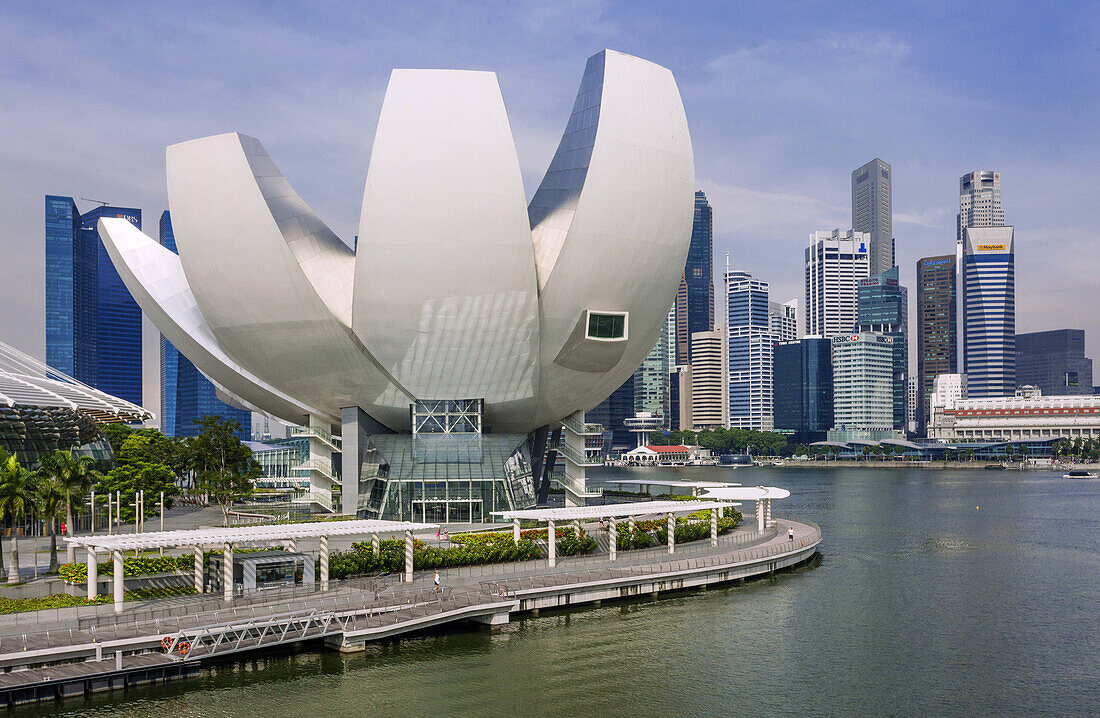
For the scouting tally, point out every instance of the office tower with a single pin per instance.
(882, 306)
(802, 388)
(835, 262)
(979, 202)
(707, 375)
(1054, 361)
(871, 212)
(695, 298)
(679, 394)
(989, 311)
(863, 395)
(651, 381)
(185, 394)
(93, 325)
(673, 368)
(783, 320)
(612, 413)
(749, 354)
(937, 344)
(911, 404)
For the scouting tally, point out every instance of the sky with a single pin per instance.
(783, 99)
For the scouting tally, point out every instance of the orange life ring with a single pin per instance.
(501, 590)
(165, 642)
(184, 648)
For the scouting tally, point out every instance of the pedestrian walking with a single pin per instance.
(790, 534)
(436, 580)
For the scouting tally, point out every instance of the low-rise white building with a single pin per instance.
(1028, 415)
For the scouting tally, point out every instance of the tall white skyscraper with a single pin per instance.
(749, 342)
(783, 320)
(979, 202)
(872, 213)
(835, 262)
(708, 380)
(986, 284)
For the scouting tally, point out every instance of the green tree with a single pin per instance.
(128, 479)
(224, 468)
(657, 438)
(49, 504)
(116, 434)
(75, 477)
(16, 500)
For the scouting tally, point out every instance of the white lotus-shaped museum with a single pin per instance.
(456, 290)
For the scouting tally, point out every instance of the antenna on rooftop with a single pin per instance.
(97, 201)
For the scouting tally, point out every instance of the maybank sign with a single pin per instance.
(991, 248)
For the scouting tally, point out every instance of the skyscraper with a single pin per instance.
(749, 354)
(1054, 361)
(937, 348)
(708, 379)
(835, 263)
(651, 381)
(883, 307)
(783, 320)
(612, 412)
(979, 202)
(185, 394)
(863, 369)
(989, 311)
(695, 299)
(802, 388)
(93, 325)
(871, 212)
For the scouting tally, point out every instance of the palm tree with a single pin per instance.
(49, 503)
(74, 478)
(16, 498)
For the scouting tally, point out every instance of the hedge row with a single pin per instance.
(64, 600)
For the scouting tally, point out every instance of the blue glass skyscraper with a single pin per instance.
(93, 325)
(695, 299)
(185, 394)
(749, 352)
(989, 311)
(882, 305)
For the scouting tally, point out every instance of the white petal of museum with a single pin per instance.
(465, 326)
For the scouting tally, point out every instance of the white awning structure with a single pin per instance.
(244, 534)
(638, 508)
(670, 482)
(26, 381)
(746, 493)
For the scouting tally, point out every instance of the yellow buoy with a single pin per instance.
(977, 508)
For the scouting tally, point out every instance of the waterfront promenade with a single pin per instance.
(87, 653)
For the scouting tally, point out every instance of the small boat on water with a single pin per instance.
(1079, 474)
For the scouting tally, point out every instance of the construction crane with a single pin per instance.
(97, 201)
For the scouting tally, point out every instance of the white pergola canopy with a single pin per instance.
(638, 508)
(746, 493)
(671, 483)
(243, 534)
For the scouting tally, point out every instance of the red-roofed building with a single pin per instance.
(659, 454)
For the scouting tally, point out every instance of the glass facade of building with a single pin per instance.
(803, 388)
(185, 394)
(695, 300)
(1054, 361)
(612, 413)
(93, 325)
(749, 343)
(882, 305)
(989, 312)
(937, 341)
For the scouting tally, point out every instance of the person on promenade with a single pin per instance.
(436, 580)
(790, 534)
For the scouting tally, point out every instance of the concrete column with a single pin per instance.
(714, 527)
(408, 555)
(759, 515)
(227, 571)
(552, 543)
(292, 545)
(119, 580)
(671, 533)
(577, 527)
(613, 538)
(515, 530)
(375, 544)
(630, 524)
(93, 574)
(199, 569)
(768, 513)
(324, 563)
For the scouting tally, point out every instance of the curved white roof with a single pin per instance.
(456, 290)
(746, 493)
(637, 508)
(26, 381)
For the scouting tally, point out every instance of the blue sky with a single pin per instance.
(783, 101)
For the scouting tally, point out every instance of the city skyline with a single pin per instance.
(773, 174)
